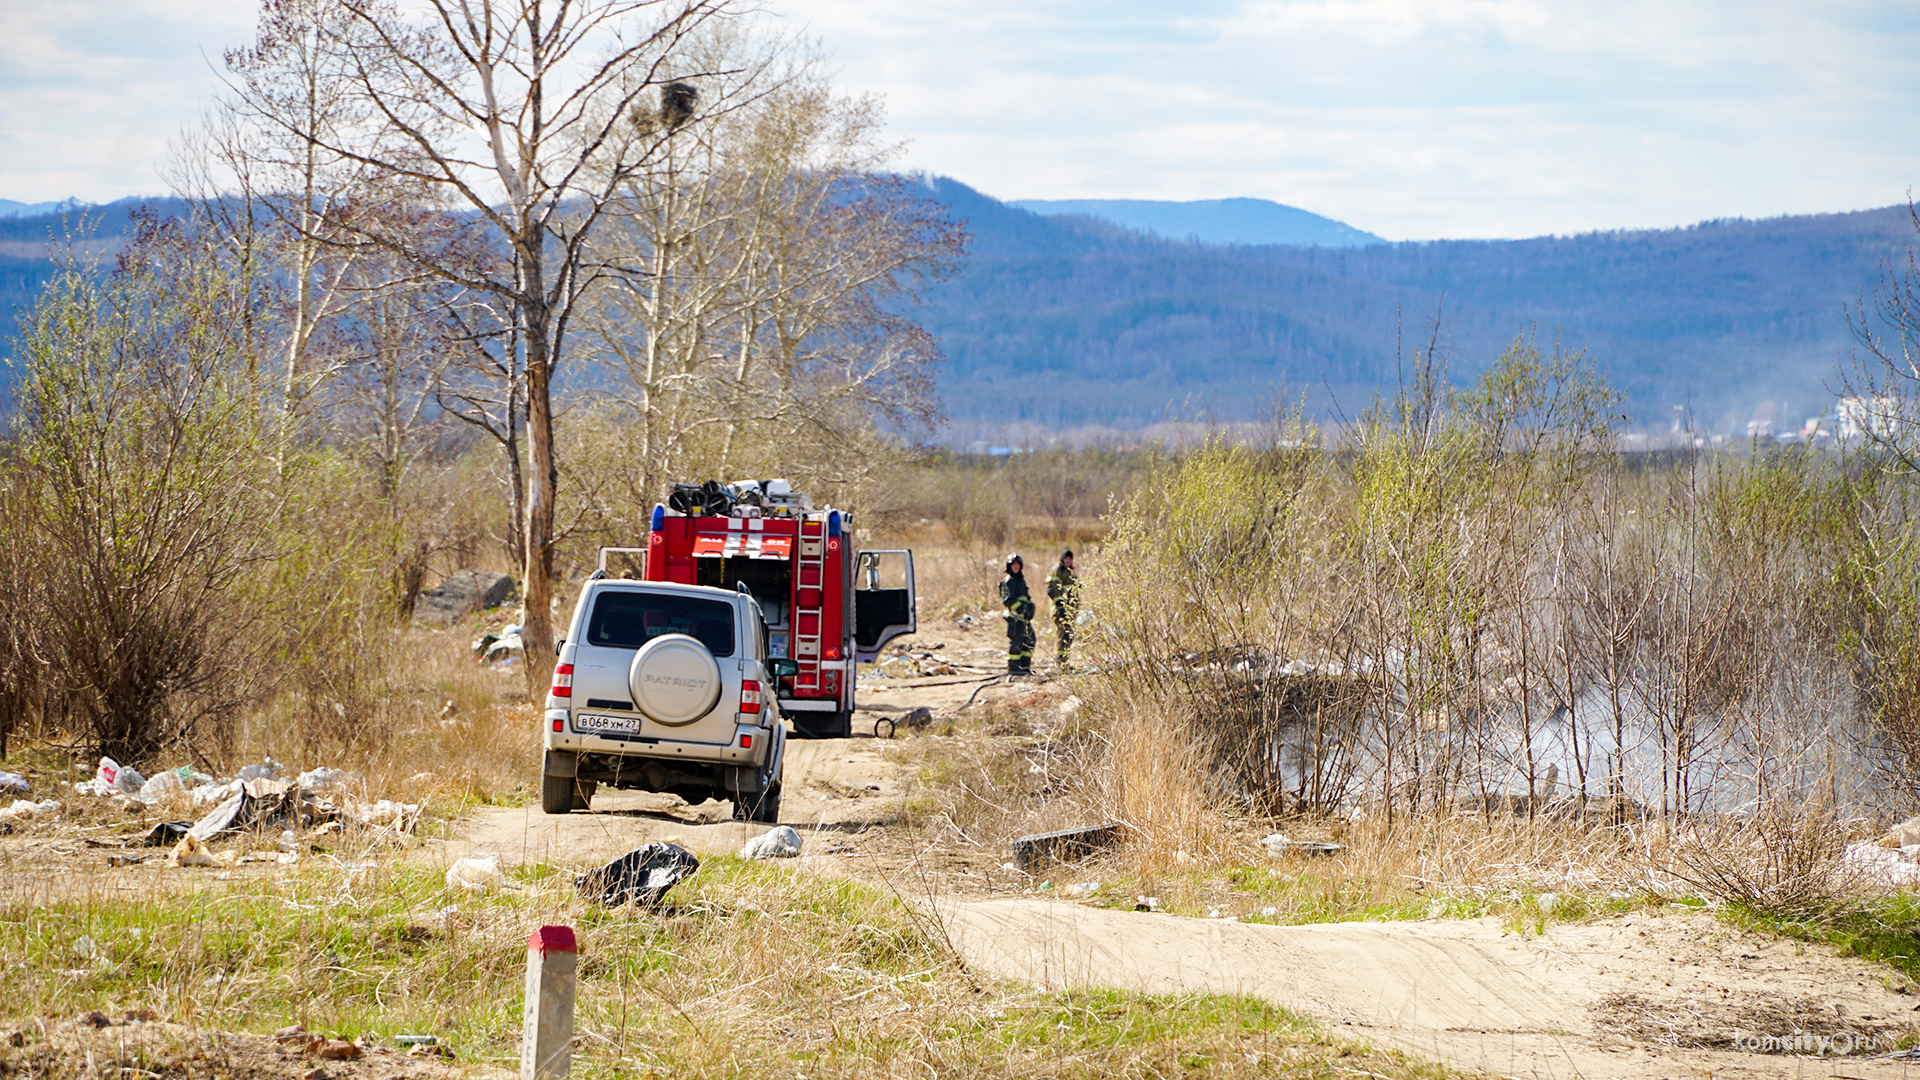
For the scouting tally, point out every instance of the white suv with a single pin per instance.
(664, 687)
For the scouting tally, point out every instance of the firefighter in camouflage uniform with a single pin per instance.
(1064, 590)
(1019, 603)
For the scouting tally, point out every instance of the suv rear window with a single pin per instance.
(627, 620)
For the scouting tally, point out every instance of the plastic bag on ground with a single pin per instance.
(480, 874)
(1883, 866)
(387, 814)
(268, 769)
(14, 783)
(320, 778)
(24, 809)
(160, 786)
(780, 843)
(641, 876)
(125, 777)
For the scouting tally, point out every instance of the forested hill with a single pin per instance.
(27, 243)
(1067, 320)
(1212, 221)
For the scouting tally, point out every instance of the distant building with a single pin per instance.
(1857, 417)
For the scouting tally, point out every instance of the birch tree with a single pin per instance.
(514, 116)
(765, 261)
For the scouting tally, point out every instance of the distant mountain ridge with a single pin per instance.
(1060, 321)
(1067, 321)
(1212, 221)
(12, 209)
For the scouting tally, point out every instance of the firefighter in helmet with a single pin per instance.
(1064, 590)
(1019, 602)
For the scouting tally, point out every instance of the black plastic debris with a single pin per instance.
(641, 876)
(167, 834)
(260, 804)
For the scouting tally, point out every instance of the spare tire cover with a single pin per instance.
(674, 679)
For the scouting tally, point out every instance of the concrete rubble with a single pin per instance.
(780, 843)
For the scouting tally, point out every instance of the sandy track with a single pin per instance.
(832, 786)
(1634, 997)
(1470, 992)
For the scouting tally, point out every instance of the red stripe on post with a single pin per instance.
(552, 939)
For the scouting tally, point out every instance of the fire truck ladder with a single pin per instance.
(810, 563)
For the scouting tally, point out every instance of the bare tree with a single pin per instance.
(1883, 386)
(765, 257)
(516, 115)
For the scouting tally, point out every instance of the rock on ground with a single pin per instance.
(463, 593)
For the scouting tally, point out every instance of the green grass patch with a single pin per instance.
(1885, 929)
(750, 969)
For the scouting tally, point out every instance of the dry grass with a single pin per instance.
(749, 970)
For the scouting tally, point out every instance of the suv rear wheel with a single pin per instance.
(763, 808)
(562, 794)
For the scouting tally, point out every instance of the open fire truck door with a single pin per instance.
(883, 601)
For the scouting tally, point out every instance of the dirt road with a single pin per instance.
(1637, 996)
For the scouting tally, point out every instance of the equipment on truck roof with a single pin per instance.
(825, 605)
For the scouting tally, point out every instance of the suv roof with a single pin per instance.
(671, 587)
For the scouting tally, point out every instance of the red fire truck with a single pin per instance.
(826, 605)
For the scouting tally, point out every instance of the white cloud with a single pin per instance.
(91, 92)
(1411, 118)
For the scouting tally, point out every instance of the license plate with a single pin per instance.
(596, 722)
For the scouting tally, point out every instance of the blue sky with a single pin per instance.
(1449, 118)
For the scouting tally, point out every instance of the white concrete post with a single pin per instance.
(546, 1034)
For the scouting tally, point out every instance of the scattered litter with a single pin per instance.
(25, 809)
(1278, 844)
(416, 1040)
(1043, 886)
(481, 874)
(964, 621)
(780, 843)
(1146, 903)
(167, 833)
(1082, 888)
(1269, 912)
(125, 860)
(192, 851)
(112, 779)
(1549, 902)
(1183, 858)
(84, 947)
(14, 783)
(267, 769)
(288, 841)
(161, 786)
(1883, 866)
(387, 814)
(335, 1050)
(321, 778)
(641, 876)
(1905, 834)
(213, 792)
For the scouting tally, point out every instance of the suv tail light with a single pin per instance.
(749, 696)
(562, 680)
